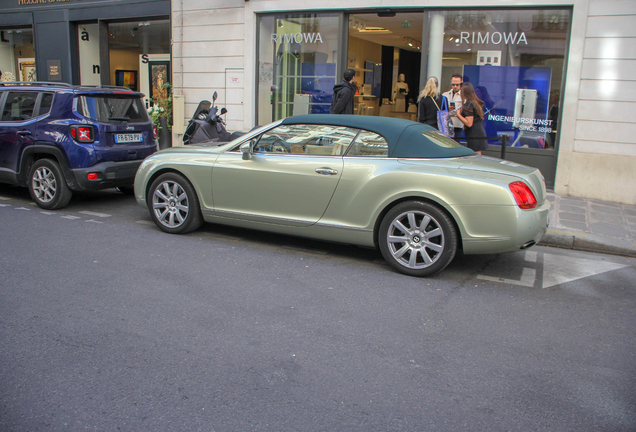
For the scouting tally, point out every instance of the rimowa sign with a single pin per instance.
(297, 38)
(507, 38)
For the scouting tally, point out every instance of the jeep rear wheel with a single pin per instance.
(47, 185)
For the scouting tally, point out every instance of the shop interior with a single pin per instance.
(386, 53)
(138, 54)
(17, 56)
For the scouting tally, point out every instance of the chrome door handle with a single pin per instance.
(326, 171)
(24, 132)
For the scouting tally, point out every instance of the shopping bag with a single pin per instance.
(444, 123)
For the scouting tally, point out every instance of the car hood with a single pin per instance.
(532, 176)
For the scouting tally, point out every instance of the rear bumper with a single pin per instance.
(508, 229)
(109, 174)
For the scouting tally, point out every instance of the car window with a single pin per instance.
(45, 103)
(438, 138)
(369, 144)
(19, 106)
(112, 109)
(305, 139)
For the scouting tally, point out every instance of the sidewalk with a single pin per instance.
(591, 225)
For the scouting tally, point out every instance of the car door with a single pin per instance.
(289, 178)
(17, 129)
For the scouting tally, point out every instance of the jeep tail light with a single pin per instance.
(154, 131)
(83, 133)
(92, 176)
(523, 195)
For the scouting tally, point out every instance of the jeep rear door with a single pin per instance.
(17, 130)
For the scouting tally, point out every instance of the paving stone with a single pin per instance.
(608, 229)
(631, 219)
(578, 217)
(632, 228)
(605, 203)
(606, 209)
(572, 209)
(573, 202)
(629, 211)
(551, 198)
(574, 225)
(604, 217)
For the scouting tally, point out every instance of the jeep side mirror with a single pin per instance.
(223, 111)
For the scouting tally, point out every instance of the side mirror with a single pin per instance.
(245, 149)
(223, 111)
(215, 96)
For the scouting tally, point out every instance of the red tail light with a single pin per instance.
(523, 195)
(154, 131)
(83, 134)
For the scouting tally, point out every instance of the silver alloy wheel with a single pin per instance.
(415, 239)
(170, 204)
(44, 184)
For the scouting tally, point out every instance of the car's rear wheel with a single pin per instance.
(47, 185)
(174, 205)
(417, 238)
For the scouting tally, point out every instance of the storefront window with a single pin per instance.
(515, 61)
(139, 53)
(297, 64)
(17, 56)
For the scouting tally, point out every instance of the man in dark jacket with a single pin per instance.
(343, 94)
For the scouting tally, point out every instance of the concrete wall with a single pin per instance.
(208, 55)
(597, 158)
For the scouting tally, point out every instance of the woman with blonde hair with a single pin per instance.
(429, 102)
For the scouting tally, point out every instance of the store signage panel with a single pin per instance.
(507, 38)
(297, 38)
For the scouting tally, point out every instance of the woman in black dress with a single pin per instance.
(472, 115)
(429, 102)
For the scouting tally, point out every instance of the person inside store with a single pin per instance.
(553, 115)
(343, 94)
(400, 91)
(455, 101)
(471, 114)
(429, 102)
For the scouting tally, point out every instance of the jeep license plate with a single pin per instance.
(127, 138)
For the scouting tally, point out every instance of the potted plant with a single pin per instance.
(161, 115)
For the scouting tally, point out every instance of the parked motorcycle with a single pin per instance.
(208, 126)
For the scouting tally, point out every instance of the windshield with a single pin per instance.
(112, 109)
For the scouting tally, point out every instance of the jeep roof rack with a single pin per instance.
(106, 87)
(36, 83)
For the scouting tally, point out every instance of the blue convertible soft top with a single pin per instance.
(405, 138)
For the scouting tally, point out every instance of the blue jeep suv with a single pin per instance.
(57, 138)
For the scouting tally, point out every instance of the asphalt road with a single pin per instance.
(106, 323)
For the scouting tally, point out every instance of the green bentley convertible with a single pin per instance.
(372, 181)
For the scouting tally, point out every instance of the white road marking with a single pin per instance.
(559, 269)
(531, 256)
(5, 205)
(89, 213)
(94, 221)
(23, 208)
(71, 217)
(48, 213)
(528, 276)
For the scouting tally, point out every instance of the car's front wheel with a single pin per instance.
(173, 204)
(417, 238)
(47, 185)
